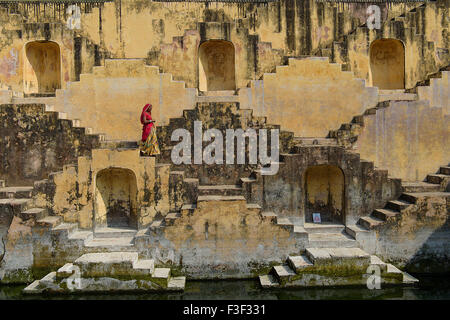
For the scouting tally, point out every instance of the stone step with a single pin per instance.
(280, 220)
(315, 141)
(217, 93)
(436, 178)
(247, 180)
(414, 197)
(220, 198)
(49, 221)
(374, 260)
(396, 96)
(144, 266)
(34, 100)
(65, 271)
(110, 243)
(65, 229)
(156, 224)
(109, 232)
(385, 214)
(269, 215)
(118, 144)
(171, 217)
(188, 208)
(34, 213)
(253, 207)
(299, 263)
(103, 264)
(219, 190)
(268, 281)
(162, 275)
(220, 98)
(338, 256)
(369, 222)
(81, 235)
(354, 230)
(331, 240)
(16, 205)
(16, 192)
(409, 279)
(324, 227)
(420, 187)
(444, 170)
(33, 288)
(397, 205)
(282, 273)
(176, 283)
(48, 280)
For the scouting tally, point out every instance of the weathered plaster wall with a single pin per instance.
(42, 67)
(324, 193)
(115, 198)
(15, 68)
(387, 64)
(169, 33)
(216, 66)
(365, 189)
(309, 97)
(423, 33)
(34, 143)
(110, 100)
(221, 240)
(409, 138)
(418, 239)
(438, 92)
(76, 190)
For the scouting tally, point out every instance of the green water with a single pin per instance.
(430, 288)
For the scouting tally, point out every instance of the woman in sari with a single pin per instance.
(149, 144)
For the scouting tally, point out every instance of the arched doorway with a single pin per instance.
(43, 70)
(216, 66)
(387, 64)
(115, 198)
(325, 190)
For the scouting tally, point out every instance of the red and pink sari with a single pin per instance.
(149, 142)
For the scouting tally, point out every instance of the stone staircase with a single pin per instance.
(332, 267)
(347, 134)
(110, 272)
(408, 27)
(414, 193)
(240, 187)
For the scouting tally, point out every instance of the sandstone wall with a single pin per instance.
(418, 240)
(309, 97)
(438, 92)
(409, 138)
(34, 143)
(168, 34)
(110, 100)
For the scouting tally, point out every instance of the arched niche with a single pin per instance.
(216, 66)
(43, 67)
(387, 64)
(116, 198)
(325, 192)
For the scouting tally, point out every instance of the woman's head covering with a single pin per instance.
(144, 110)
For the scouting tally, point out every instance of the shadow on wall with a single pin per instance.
(216, 66)
(116, 198)
(43, 67)
(324, 185)
(434, 255)
(387, 64)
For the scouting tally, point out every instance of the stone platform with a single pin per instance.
(108, 272)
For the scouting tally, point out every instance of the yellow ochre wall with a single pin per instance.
(309, 97)
(110, 100)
